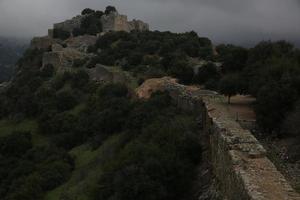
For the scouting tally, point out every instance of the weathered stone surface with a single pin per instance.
(116, 22)
(52, 58)
(81, 43)
(138, 25)
(111, 22)
(42, 42)
(57, 47)
(240, 161)
(69, 25)
(100, 74)
(62, 60)
(104, 74)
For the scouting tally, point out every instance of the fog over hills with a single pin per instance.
(231, 21)
(11, 49)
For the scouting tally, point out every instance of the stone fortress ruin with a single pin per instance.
(62, 54)
(110, 22)
(116, 22)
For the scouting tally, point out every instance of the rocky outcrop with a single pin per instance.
(57, 48)
(68, 25)
(62, 58)
(42, 42)
(100, 74)
(116, 22)
(104, 74)
(81, 43)
(110, 22)
(138, 25)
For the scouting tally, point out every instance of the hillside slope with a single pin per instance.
(71, 126)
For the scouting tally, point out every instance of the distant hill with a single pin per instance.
(11, 49)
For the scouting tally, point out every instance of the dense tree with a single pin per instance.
(206, 73)
(79, 79)
(291, 128)
(87, 11)
(233, 58)
(152, 165)
(91, 25)
(130, 49)
(15, 144)
(27, 172)
(291, 123)
(229, 85)
(272, 105)
(182, 70)
(110, 9)
(65, 100)
(263, 51)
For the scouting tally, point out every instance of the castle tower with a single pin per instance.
(114, 22)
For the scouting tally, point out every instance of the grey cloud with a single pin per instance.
(226, 21)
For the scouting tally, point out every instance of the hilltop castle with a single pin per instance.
(116, 22)
(110, 22)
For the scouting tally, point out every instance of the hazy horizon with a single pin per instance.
(237, 22)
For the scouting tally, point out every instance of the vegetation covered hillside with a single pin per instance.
(64, 135)
(71, 126)
(153, 54)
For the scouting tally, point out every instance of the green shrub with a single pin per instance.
(87, 11)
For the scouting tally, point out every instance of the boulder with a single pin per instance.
(64, 59)
(100, 74)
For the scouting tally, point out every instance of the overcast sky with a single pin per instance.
(224, 21)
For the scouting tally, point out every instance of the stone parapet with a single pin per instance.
(238, 160)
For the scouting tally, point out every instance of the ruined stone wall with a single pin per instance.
(138, 25)
(111, 22)
(42, 42)
(69, 25)
(121, 23)
(238, 160)
(116, 22)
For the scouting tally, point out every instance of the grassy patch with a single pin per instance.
(7, 127)
(77, 109)
(88, 169)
